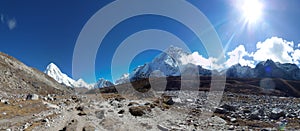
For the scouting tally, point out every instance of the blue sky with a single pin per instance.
(40, 32)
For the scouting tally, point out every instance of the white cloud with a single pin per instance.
(298, 45)
(277, 49)
(197, 59)
(237, 56)
(296, 56)
(274, 48)
(12, 23)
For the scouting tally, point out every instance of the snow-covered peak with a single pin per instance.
(82, 83)
(168, 63)
(53, 71)
(123, 79)
(171, 56)
(176, 51)
(103, 83)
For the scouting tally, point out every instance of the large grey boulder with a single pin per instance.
(32, 97)
(276, 113)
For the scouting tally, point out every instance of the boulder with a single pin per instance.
(138, 110)
(132, 103)
(32, 97)
(254, 115)
(229, 107)
(220, 110)
(276, 113)
(168, 100)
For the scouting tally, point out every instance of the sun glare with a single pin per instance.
(252, 10)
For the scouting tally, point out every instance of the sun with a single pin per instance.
(252, 10)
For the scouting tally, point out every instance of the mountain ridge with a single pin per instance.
(170, 63)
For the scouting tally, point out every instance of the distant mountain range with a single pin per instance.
(167, 64)
(170, 63)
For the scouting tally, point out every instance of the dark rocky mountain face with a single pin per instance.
(238, 71)
(265, 69)
(271, 69)
(16, 77)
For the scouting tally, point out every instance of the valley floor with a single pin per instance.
(170, 111)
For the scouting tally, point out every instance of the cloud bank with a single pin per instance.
(275, 48)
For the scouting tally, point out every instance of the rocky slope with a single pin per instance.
(16, 77)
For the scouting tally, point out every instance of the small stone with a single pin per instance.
(45, 120)
(89, 128)
(2, 100)
(189, 100)
(220, 110)
(163, 128)
(231, 127)
(79, 108)
(71, 126)
(82, 113)
(246, 111)
(233, 120)
(254, 115)
(168, 100)
(228, 107)
(146, 125)
(132, 103)
(45, 98)
(121, 111)
(100, 114)
(26, 126)
(119, 99)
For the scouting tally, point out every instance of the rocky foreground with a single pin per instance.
(167, 111)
